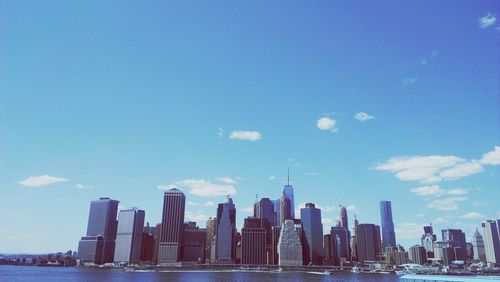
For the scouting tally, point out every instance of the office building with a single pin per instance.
(339, 244)
(417, 254)
(275, 235)
(253, 241)
(344, 222)
(285, 208)
(290, 244)
(174, 203)
(210, 240)
(313, 231)
(98, 246)
(427, 240)
(368, 242)
(129, 236)
(193, 243)
(277, 212)
(288, 192)
(395, 255)
(491, 241)
(226, 232)
(457, 241)
(388, 234)
(478, 247)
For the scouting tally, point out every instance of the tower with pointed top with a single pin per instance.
(478, 246)
(288, 193)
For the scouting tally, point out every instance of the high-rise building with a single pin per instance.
(276, 232)
(444, 251)
(367, 242)
(157, 242)
(211, 232)
(98, 246)
(313, 231)
(343, 217)
(290, 244)
(253, 241)
(457, 241)
(129, 236)
(277, 212)
(395, 255)
(339, 243)
(288, 192)
(285, 208)
(478, 246)
(226, 232)
(264, 209)
(427, 240)
(491, 240)
(193, 243)
(327, 249)
(174, 203)
(148, 244)
(388, 234)
(418, 254)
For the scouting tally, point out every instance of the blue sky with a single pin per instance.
(363, 102)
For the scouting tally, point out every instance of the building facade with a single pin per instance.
(418, 254)
(491, 241)
(313, 231)
(129, 236)
(174, 203)
(478, 246)
(290, 244)
(368, 242)
(226, 232)
(339, 242)
(253, 241)
(388, 234)
(457, 241)
(211, 232)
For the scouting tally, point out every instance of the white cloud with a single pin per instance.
(227, 180)
(457, 191)
(272, 177)
(82, 186)
(351, 208)
(480, 203)
(245, 135)
(440, 220)
(208, 204)
(408, 230)
(409, 80)
(202, 187)
(328, 222)
(326, 123)
(190, 216)
(429, 169)
(446, 204)
(472, 215)
(220, 132)
(310, 173)
(362, 116)
(189, 203)
(424, 61)
(43, 180)
(487, 20)
(492, 157)
(433, 190)
(247, 210)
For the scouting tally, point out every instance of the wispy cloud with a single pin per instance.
(326, 123)
(272, 177)
(362, 116)
(82, 186)
(446, 204)
(457, 191)
(220, 132)
(247, 210)
(409, 81)
(202, 187)
(472, 215)
(208, 204)
(189, 203)
(492, 157)
(487, 20)
(408, 230)
(228, 180)
(427, 59)
(245, 135)
(43, 180)
(433, 190)
(196, 217)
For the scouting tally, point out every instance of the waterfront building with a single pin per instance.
(427, 240)
(98, 246)
(148, 245)
(288, 192)
(470, 251)
(368, 242)
(339, 244)
(193, 243)
(129, 236)
(327, 249)
(157, 233)
(275, 235)
(395, 255)
(343, 217)
(444, 251)
(354, 242)
(478, 247)
(457, 241)
(285, 208)
(277, 212)
(418, 254)
(491, 240)
(211, 232)
(290, 244)
(388, 234)
(253, 241)
(226, 232)
(313, 231)
(174, 203)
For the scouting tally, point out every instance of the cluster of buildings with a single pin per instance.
(272, 236)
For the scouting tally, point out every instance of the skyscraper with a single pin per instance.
(388, 234)
(478, 246)
(418, 254)
(288, 192)
(211, 232)
(265, 209)
(253, 241)
(339, 242)
(275, 236)
(456, 238)
(226, 231)
(367, 242)
(313, 230)
(427, 241)
(285, 208)
(193, 243)
(290, 244)
(343, 218)
(491, 240)
(174, 203)
(129, 236)
(98, 246)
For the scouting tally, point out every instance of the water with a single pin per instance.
(34, 273)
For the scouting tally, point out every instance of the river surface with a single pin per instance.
(35, 273)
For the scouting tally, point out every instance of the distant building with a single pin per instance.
(264, 209)
(211, 232)
(470, 251)
(226, 232)
(344, 222)
(193, 243)
(129, 236)
(313, 231)
(285, 208)
(157, 233)
(148, 245)
(288, 192)
(339, 244)
(388, 234)
(174, 203)
(290, 244)
(98, 246)
(368, 242)
(275, 235)
(457, 241)
(253, 241)
(427, 240)
(327, 249)
(277, 212)
(417, 254)
(444, 251)
(478, 247)
(395, 255)
(491, 240)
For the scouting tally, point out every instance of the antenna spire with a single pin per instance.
(288, 176)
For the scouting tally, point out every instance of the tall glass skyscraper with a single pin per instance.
(226, 232)
(313, 230)
(129, 235)
(98, 246)
(172, 223)
(388, 234)
(478, 246)
(343, 218)
(288, 192)
(491, 240)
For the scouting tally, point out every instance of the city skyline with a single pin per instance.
(363, 102)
